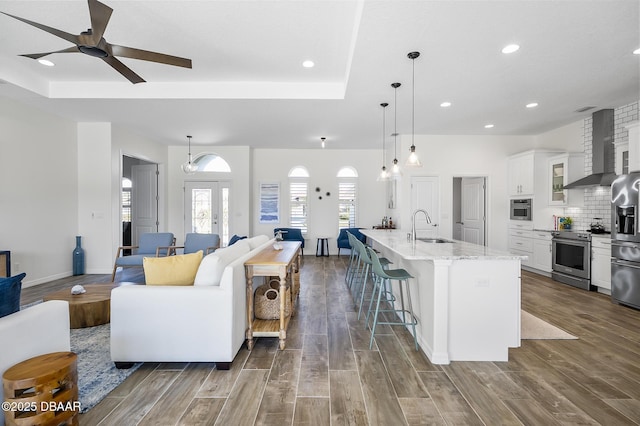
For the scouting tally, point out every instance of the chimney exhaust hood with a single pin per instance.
(603, 160)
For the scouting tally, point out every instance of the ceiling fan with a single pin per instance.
(92, 43)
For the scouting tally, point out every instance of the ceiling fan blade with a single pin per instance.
(72, 49)
(123, 69)
(145, 55)
(62, 34)
(100, 14)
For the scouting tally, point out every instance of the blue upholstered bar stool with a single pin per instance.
(380, 294)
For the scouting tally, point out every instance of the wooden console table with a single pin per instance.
(284, 264)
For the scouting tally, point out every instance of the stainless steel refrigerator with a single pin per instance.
(625, 240)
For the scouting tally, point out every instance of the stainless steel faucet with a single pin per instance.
(413, 222)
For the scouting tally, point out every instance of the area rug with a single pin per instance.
(97, 375)
(533, 328)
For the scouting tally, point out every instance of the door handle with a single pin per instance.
(625, 264)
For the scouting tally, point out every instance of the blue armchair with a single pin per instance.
(150, 244)
(291, 234)
(343, 239)
(193, 242)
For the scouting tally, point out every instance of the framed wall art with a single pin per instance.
(270, 202)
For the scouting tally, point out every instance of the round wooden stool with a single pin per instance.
(42, 391)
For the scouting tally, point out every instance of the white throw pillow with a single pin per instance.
(257, 241)
(212, 266)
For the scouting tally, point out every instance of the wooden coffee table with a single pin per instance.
(87, 309)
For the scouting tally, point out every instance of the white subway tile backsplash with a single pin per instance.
(597, 200)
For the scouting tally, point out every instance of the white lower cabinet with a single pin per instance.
(542, 251)
(601, 262)
(520, 241)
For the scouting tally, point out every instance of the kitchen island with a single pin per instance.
(466, 297)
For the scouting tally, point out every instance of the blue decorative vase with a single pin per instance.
(78, 258)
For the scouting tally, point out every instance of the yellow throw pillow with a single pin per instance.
(172, 270)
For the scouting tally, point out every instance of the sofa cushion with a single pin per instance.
(10, 294)
(212, 266)
(172, 270)
(257, 241)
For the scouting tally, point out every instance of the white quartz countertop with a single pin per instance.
(396, 241)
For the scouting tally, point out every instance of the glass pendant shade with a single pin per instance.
(384, 175)
(396, 173)
(189, 167)
(413, 160)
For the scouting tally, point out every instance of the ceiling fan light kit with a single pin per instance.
(92, 43)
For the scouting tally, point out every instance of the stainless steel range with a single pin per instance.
(571, 258)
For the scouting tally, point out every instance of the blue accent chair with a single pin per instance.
(291, 234)
(343, 239)
(152, 244)
(194, 242)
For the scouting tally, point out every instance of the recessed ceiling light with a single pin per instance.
(488, 126)
(308, 64)
(46, 62)
(445, 104)
(510, 48)
(636, 52)
(532, 105)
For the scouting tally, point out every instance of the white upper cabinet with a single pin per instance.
(564, 169)
(521, 177)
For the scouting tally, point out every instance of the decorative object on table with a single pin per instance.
(413, 160)
(270, 202)
(267, 301)
(78, 257)
(77, 289)
(10, 294)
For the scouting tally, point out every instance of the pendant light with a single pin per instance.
(384, 174)
(413, 160)
(396, 173)
(322, 144)
(188, 167)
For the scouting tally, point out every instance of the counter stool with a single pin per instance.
(354, 260)
(366, 270)
(381, 277)
(322, 245)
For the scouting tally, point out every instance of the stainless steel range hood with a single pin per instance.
(603, 163)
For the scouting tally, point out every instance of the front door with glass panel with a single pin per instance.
(201, 207)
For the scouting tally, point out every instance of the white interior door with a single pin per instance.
(473, 210)
(425, 194)
(144, 200)
(201, 207)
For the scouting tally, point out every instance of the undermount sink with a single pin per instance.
(432, 240)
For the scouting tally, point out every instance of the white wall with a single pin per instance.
(273, 165)
(38, 191)
(239, 159)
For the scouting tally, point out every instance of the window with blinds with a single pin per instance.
(347, 204)
(298, 205)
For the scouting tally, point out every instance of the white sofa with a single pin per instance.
(205, 322)
(37, 330)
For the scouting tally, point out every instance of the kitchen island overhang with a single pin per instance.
(466, 296)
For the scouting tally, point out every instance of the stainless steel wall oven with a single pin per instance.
(520, 209)
(571, 258)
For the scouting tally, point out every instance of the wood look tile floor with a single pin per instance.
(328, 376)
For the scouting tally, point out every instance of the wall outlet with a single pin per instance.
(483, 282)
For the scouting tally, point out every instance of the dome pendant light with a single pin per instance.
(413, 160)
(189, 167)
(384, 174)
(396, 173)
